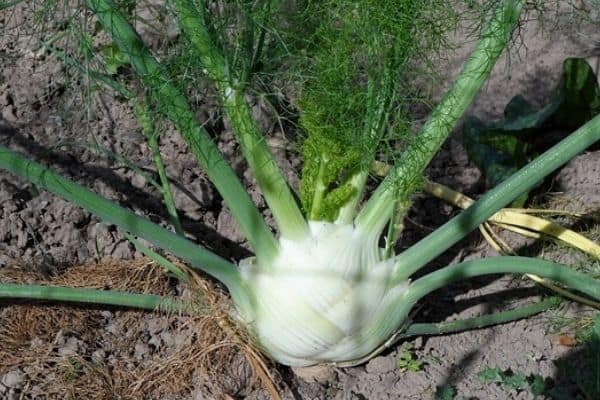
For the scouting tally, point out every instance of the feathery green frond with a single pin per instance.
(352, 94)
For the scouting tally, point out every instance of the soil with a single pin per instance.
(113, 353)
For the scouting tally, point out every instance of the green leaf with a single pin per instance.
(407, 361)
(517, 381)
(445, 392)
(490, 375)
(537, 387)
(497, 154)
(169, 267)
(113, 57)
(501, 148)
(579, 93)
(536, 384)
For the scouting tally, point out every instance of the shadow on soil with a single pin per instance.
(151, 205)
(578, 374)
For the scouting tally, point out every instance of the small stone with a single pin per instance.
(122, 251)
(199, 395)
(98, 356)
(13, 379)
(138, 181)
(180, 339)
(167, 338)
(155, 341)
(5, 98)
(381, 365)
(141, 349)
(156, 325)
(317, 373)
(60, 338)
(418, 342)
(70, 348)
(228, 227)
(112, 327)
(8, 114)
(12, 395)
(36, 342)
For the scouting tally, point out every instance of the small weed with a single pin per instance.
(515, 380)
(408, 361)
(113, 58)
(73, 370)
(445, 392)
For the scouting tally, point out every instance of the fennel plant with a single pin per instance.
(321, 289)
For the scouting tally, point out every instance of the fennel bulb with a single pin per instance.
(324, 298)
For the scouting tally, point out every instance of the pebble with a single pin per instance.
(9, 114)
(98, 356)
(70, 348)
(317, 373)
(13, 379)
(112, 327)
(36, 342)
(181, 338)
(381, 365)
(418, 342)
(155, 341)
(12, 395)
(141, 349)
(228, 227)
(156, 325)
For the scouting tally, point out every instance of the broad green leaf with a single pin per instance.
(501, 148)
(579, 93)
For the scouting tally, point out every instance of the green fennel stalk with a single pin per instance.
(406, 174)
(177, 109)
(273, 185)
(447, 235)
(110, 212)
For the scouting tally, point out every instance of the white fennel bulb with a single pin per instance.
(325, 298)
